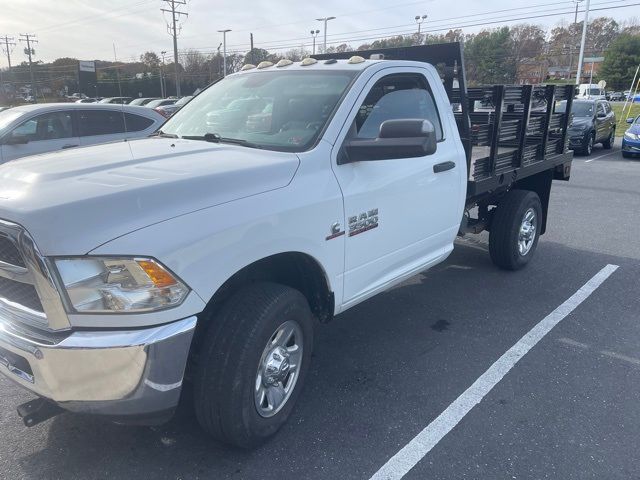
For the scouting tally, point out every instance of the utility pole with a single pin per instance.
(173, 31)
(162, 86)
(575, 22)
(7, 44)
(314, 34)
(325, 20)
(224, 51)
(29, 38)
(582, 42)
(252, 53)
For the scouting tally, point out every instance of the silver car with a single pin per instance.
(32, 129)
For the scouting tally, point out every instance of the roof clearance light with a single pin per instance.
(248, 66)
(308, 61)
(356, 59)
(376, 56)
(285, 62)
(265, 64)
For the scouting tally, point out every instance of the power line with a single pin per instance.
(174, 5)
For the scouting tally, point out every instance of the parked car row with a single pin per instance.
(33, 129)
(164, 106)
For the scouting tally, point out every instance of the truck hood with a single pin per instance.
(76, 200)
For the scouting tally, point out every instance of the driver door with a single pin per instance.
(40, 134)
(402, 214)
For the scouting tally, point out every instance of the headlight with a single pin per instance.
(631, 136)
(118, 285)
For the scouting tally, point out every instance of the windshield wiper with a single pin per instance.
(162, 134)
(216, 138)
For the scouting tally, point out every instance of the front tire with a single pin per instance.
(515, 229)
(252, 364)
(587, 148)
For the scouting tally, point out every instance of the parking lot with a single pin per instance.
(386, 369)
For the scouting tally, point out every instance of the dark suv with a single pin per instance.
(593, 122)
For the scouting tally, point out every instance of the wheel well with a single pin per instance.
(541, 184)
(293, 269)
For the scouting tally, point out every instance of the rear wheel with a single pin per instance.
(608, 143)
(252, 364)
(515, 229)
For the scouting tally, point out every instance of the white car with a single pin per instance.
(33, 129)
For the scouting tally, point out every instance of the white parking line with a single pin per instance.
(601, 156)
(403, 461)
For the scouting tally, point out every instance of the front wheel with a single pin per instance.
(515, 229)
(252, 364)
(588, 146)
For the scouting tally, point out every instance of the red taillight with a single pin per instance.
(162, 112)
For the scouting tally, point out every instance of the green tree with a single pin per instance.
(489, 57)
(620, 61)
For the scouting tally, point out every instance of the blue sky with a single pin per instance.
(87, 29)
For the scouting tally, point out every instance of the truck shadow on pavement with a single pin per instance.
(381, 372)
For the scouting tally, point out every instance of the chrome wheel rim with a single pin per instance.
(527, 233)
(278, 369)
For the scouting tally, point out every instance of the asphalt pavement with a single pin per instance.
(394, 367)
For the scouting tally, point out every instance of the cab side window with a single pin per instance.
(396, 97)
(600, 110)
(48, 126)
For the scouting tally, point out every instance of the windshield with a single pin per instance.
(279, 110)
(579, 109)
(8, 116)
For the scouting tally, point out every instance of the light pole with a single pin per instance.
(162, 92)
(314, 34)
(224, 50)
(420, 20)
(583, 41)
(325, 20)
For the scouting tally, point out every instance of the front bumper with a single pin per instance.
(129, 373)
(630, 146)
(577, 140)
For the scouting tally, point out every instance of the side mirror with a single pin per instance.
(601, 114)
(16, 140)
(630, 120)
(397, 139)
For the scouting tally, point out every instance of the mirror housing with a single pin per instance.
(601, 115)
(631, 120)
(16, 140)
(406, 138)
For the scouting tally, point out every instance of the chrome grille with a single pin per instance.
(9, 252)
(28, 294)
(20, 293)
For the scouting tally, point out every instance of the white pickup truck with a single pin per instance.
(281, 195)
